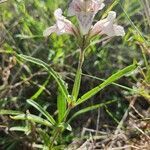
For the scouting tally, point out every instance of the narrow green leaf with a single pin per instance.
(44, 112)
(119, 85)
(111, 115)
(76, 86)
(90, 108)
(77, 82)
(61, 106)
(10, 112)
(19, 128)
(55, 75)
(108, 81)
(40, 90)
(32, 118)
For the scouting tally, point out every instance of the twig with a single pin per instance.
(137, 112)
(120, 125)
(125, 147)
(97, 122)
(141, 131)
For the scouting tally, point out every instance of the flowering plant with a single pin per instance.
(85, 11)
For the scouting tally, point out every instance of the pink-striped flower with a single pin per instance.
(107, 27)
(62, 25)
(85, 11)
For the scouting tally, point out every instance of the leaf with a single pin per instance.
(55, 75)
(32, 118)
(61, 106)
(119, 85)
(77, 82)
(25, 129)
(111, 115)
(19, 128)
(76, 86)
(40, 90)
(108, 81)
(10, 112)
(66, 126)
(44, 112)
(90, 108)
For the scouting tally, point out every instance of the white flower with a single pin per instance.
(85, 11)
(107, 27)
(62, 25)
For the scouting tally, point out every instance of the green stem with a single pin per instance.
(77, 82)
(75, 91)
(58, 130)
(56, 134)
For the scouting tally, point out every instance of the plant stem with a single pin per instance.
(57, 131)
(75, 91)
(77, 82)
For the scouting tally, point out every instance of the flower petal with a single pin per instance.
(85, 21)
(50, 30)
(62, 25)
(107, 27)
(77, 6)
(119, 30)
(85, 11)
(74, 7)
(111, 16)
(97, 5)
(58, 14)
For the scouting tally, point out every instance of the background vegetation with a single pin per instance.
(22, 23)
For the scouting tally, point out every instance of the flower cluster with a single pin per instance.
(85, 11)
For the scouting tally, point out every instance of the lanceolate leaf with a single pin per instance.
(76, 86)
(39, 62)
(61, 106)
(10, 112)
(90, 108)
(19, 128)
(44, 112)
(32, 118)
(108, 81)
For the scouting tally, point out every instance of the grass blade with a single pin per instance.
(40, 90)
(114, 3)
(90, 108)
